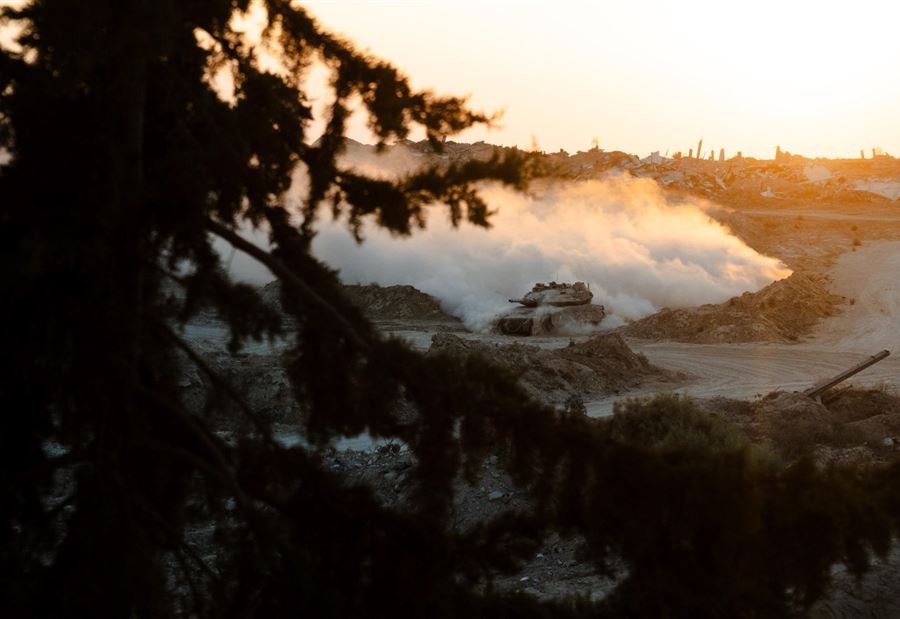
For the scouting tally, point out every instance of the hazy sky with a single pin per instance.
(817, 78)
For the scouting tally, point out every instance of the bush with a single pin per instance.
(673, 422)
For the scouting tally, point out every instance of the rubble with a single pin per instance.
(785, 178)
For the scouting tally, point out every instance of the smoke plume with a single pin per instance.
(638, 250)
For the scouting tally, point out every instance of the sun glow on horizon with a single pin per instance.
(815, 78)
(812, 77)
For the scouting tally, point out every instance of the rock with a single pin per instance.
(495, 495)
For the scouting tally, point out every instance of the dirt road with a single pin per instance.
(744, 371)
(869, 276)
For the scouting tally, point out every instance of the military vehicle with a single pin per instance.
(552, 308)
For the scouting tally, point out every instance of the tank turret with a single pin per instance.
(556, 295)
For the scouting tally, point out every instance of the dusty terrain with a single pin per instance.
(741, 359)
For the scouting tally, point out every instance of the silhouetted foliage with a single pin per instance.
(125, 166)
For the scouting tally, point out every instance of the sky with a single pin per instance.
(816, 78)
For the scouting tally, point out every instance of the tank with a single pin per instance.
(552, 308)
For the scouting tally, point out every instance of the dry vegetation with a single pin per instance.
(858, 425)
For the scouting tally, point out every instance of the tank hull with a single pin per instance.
(525, 321)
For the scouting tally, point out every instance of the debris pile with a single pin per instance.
(786, 178)
(876, 412)
(783, 311)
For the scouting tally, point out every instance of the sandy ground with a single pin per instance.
(745, 371)
(871, 277)
(868, 275)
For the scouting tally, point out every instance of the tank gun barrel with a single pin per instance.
(820, 388)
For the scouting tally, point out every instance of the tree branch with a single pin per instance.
(205, 438)
(291, 279)
(217, 380)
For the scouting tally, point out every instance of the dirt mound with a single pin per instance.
(795, 425)
(783, 311)
(780, 405)
(855, 404)
(602, 365)
(396, 303)
(871, 413)
(382, 302)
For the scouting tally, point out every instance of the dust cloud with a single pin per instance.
(638, 250)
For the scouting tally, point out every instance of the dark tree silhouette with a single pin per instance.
(124, 166)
